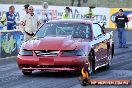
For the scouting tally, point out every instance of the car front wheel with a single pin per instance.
(25, 72)
(91, 67)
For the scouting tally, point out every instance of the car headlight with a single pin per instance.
(25, 52)
(73, 53)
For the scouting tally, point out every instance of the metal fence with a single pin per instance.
(99, 3)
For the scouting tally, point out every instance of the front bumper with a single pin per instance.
(50, 63)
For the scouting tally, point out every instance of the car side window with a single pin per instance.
(97, 30)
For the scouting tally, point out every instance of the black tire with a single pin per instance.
(26, 72)
(84, 82)
(113, 50)
(78, 72)
(92, 62)
(107, 66)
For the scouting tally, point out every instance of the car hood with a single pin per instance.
(54, 43)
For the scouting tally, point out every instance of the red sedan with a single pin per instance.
(67, 45)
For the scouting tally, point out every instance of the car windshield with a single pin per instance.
(76, 30)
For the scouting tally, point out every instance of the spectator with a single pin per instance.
(8, 19)
(46, 16)
(90, 14)
(66, 13)
(26, 8)
(120, 21)
(29, 24)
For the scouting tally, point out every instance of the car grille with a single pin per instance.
(47, 53)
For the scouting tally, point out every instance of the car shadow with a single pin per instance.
(63, 74)
(55, 74)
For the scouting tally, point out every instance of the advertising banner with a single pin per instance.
(10, 43)
(102, 14)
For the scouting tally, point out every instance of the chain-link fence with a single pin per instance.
(97, 3)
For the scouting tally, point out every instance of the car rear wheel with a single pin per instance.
(107, 66)
(91, 59)
(112, 53)
(25, 72)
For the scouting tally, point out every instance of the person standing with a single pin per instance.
(120, 21)
(46, 14)
(66, 13)
(90, 13)
(8, 19)
(26, 8)
(30, 24)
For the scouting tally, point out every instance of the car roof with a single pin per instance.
(71, 21)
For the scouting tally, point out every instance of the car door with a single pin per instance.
(100, 45)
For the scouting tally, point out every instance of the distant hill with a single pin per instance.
(99, 3)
